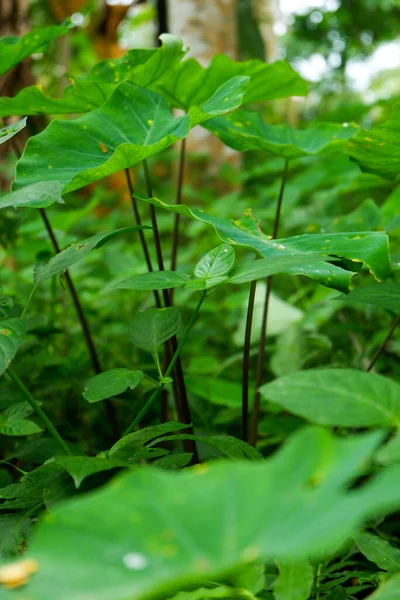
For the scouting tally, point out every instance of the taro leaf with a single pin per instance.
(378, 150)
(12, 332)
(14, 49)
(371, 248)
(127, 446)
(74, 253)
(13, 422)
(150, 328)
(37, 195)
(132, 125)
(143, 67)
(337, 397)
(295, 581)
(111, 383)
(390, 590)
(247, 131)
(215, 265)
(14, 529)
(379, 551)
(385, 295)
(80, 467)
(79, 97)
(9, 131)
(190, 83)
(152, 533)
(154, 280)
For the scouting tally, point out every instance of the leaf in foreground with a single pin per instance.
(337, 397)
(154, 533)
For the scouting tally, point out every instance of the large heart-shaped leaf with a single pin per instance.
(386, 295)
(337, 397)
(150, 328)
(14, 49)
(76, 252)
(9, 131)
(378, 150)
(371, 248)
(132, 125)
(247, 131)
(37, 195)
(12, 333)
(152, 533)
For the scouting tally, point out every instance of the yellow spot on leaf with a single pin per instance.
(49, 167)
(150, 122)
(103, 148)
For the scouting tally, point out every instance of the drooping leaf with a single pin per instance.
(378, 150)
(9, 131)
(379, 551)
(190, 83)
(154, 280)
(111, 383)
(80, 467)
(128, 445)
(12, 333)
(133, 124)
(161, 532)
(150, 328)
(14, 49)
(371, 248)
(215, 265)
(76, 252)
(337, 397)
(247, 131)
(37, 195)
(295, 581)
(385, 295)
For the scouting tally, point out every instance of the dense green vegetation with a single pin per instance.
(199, 393)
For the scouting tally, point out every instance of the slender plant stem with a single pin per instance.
(264, 321)
(246, 361)
(111, 416)
(175, 234)
(384, 343)
(39, 411)
(170, 368)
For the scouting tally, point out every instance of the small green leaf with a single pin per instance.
(12, 332)
(338, 397)
(150, 328)
(247, 131)
(14, 49)
(379, 551)
(37, 195)
(76, 252)
(9, 131)
(80, 467)
(295, 581)
(154, 280)
(385, 295)
(111, 383)
(213, 268)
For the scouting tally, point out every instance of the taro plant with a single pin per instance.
(160, 457)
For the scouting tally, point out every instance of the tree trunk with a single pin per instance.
(267, 13)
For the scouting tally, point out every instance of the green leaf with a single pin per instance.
(111, 383)
(13, 422)
(220, 591)
(379, 551)
(385, 295)
(378, 150)
(390, 452)
(80, 467)
(133, 124)
(371, 248)
(259, 269)
(226, 444)
(127, 446)
(389, 590)
(14, 529)
(337, 397)
(190, 83)
(247, 131)
(76, 252)
(215, 265)
(37, 195)
(154, 280)
(14, 49)
(295, 581)
(216, 391)
(150, 328)
(152, 533)
(12, 332)
(9, 131)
